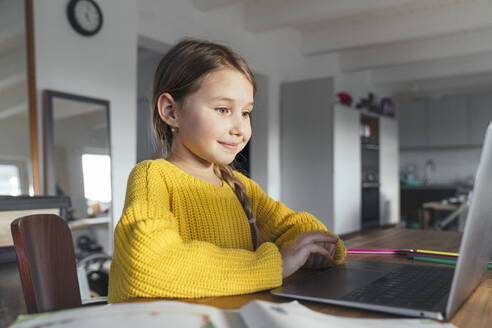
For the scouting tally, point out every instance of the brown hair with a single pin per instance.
(180, 73)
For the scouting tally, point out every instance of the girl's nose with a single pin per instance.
(238, 124)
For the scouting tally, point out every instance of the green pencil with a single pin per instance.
(443, 261)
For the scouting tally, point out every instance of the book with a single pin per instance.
(160, 314)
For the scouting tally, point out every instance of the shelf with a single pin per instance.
(433, 148)
(366, 112)
(370, 146)
(86, 222)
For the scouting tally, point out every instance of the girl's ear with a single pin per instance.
(167, 109)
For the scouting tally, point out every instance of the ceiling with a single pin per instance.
(335, 25)
(411, 45)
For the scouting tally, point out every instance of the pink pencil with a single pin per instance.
(378, 251)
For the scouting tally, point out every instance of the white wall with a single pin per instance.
(15, 128)
(258, 153)
(102, 66)
(307, 147)
(148, 60)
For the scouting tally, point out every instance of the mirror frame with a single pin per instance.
(48, 136)
(31, 95)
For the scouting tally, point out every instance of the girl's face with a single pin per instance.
(214, 122)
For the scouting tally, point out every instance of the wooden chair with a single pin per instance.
(46, 258)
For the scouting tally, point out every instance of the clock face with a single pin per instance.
(85, 16)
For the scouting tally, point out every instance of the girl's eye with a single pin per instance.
(247, 114)
(221, 110)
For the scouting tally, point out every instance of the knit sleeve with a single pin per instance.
(280, 224)
(152, 260)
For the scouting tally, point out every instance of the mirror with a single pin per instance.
(17, 139)
(78, 154)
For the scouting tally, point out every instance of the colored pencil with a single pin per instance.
(424, 251)
(440, 260)
(377, 251)
(444, 257)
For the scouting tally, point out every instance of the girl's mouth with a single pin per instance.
(229, 146)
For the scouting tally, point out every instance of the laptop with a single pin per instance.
(411, 289)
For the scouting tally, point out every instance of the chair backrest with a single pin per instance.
(46, 259)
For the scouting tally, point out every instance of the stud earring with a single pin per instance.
(173, 129)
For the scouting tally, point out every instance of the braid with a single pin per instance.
(226, 172)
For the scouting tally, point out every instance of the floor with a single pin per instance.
(11, 295)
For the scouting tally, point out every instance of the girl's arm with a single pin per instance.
(282, 225)
(152, 260)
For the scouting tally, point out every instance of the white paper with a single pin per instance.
(260, 314)
(256, 314)
(150, 314)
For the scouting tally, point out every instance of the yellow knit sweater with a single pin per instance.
(180, 236)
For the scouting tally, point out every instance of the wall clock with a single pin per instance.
(85, 16)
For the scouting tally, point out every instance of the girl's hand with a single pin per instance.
(296, 255)
(317, 261)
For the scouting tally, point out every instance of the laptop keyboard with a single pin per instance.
(418, 287)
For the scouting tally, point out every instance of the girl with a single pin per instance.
(191, 225)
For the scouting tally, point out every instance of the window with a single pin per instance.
(10, 180)
(96, 170)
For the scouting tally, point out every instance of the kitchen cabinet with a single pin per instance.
(413, 129)
(447, 122)
(444, 123)
(479, 116)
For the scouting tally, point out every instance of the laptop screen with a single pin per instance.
(476, 243)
